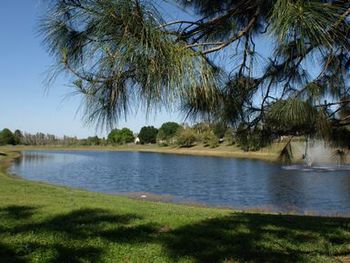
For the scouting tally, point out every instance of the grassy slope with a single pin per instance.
(44, 223)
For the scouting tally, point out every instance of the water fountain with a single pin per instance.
(317, 156)
(307, 156)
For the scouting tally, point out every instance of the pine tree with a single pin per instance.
(127, 53)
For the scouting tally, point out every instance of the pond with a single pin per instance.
(214, 181)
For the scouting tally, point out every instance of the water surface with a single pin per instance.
(237, 183)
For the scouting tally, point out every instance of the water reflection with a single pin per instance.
(210, 180)
(33, 157)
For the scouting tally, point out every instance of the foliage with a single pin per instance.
(49, 139)
(122, 136)
(123, 53)
(210, 139)
(7, 137)
(229, 137)
(116, 47)
(93, 140)
(219, 129)
(286, 155)
(186, 137)
(341, 137)
(18, 136)
(292, 116)
(167, 131)
(201, 127)
(148, 134)
(252, 139)
(209, 133)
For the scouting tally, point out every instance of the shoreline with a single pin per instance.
(265, 210)
(266, 154)
(5, 164)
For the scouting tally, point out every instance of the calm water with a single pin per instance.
(236, 183)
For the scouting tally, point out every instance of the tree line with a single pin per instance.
(170, 133)
(7, 137)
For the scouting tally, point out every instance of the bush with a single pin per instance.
(185, 138)
(229, 137)
(210, 139)
(148, 134)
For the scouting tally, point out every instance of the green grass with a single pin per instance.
(45, 223)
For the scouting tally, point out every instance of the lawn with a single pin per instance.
(45, 223)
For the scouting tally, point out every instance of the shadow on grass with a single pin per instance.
(87, 234)
(260, 238)
(17, 212)
(8, 255)
(66, 237)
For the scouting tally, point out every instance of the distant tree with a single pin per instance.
(148, 134)
(186, 137)
(111, 135)
(94, 140)
(40, 137)
(168, 131)
(122, 136)
(7, 137)
(126, 135)
(18, 136)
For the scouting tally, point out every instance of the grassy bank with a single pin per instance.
(45, 223)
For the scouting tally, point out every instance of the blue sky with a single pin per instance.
(25, 104)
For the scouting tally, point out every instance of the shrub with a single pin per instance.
(185, 138)
(210, 139)
(229, 137)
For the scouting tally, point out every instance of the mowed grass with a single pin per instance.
(45, 223)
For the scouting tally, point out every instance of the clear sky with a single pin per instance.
(25, 104)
